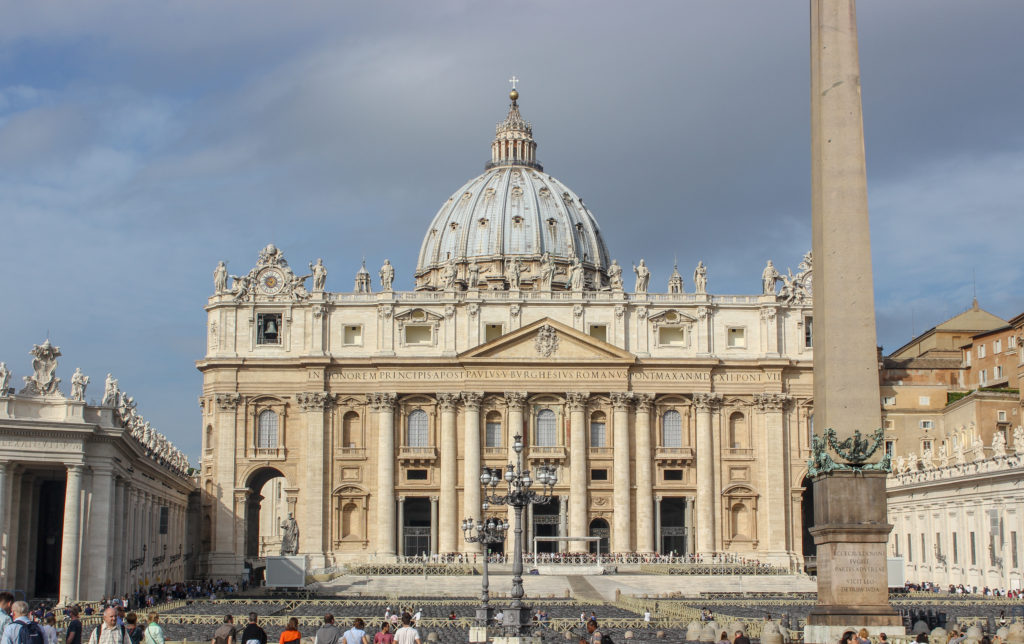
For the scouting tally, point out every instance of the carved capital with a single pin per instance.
(703, 312)
(384, 312)
(707, 402)
(643, 402)
(313, 400)
(576, 400)
(772, 402)
(473, 308)
(382, 401)
(619, 310)
(514, 310)
(228, 402)
(472, 399)
(447, 400)
(768, 313)
(449, 310)
(515, 399)
(621, 399)
(577, 310)
(641, 312)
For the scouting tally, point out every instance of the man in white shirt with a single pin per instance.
(407, 634)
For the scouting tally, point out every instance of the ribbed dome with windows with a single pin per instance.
(513, 226)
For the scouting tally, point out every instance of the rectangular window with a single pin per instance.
(268, 328)
(981, 350)
(736, 337)
(1002, 415)
(925, 424)
(925, 445)
(1013, 550)
(808, 333)
(416, 475)
(889, 400)
(997, 372)
(1011, 342)
(598, 475)
(888, 447)
(353, 335)
(974, 554)
(599, 332)
(597, 434)
(673, 475)
(418, 334)
(997, 346)
(493, 438)
(493, 331)
(672, 336)
(910, 548)
(924, 400)
(956, 550)
(924, 550)
(968, 354)
(546, 428)
(983, 376)
(164, 515)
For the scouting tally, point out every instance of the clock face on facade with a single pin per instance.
(271, 281)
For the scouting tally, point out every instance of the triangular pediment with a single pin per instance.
(549, 341)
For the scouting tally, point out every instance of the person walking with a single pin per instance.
(723, 638)
(253, 632)
(6, 601)
(356, 634)
(21, 629)
(291, 632)
(108, 632)
(384, 635)
(131, 626)
(407, 634)
(154, 633)
(50, 628)
(225, 633)
(329, 633)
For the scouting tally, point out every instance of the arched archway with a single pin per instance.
(599, 528)
(265, 509)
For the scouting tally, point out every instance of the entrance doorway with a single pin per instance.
(674, 531)
(49, 531)
(416, 528)
(599, 528)
(266, 508)
(545, 524)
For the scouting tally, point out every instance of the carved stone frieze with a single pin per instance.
(227, 402)
(768, 313)
(447, 400)
(382, 401)
(314, 400)
(706, 401)
(546, 341)
(576, 400)
(472, 399)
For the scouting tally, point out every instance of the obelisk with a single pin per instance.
(850, 527)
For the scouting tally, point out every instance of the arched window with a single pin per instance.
(738, 431)
(493, 431)
(598, 436)
(671, 429)
(417, 426)
(350, 434)
(740, 521)
(266, 432)
(349, 524)
(546, 428)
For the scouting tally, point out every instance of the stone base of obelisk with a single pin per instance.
(516, 620)
(851, 531)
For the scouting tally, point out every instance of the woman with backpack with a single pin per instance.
(153, 634)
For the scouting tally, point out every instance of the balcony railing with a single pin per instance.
(545, 453)
(350, 453)
(738, 452)
(268, 452)
(407, 453)
(495, 452)
(674, 453)
(600, 452)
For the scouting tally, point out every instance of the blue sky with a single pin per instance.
(140, 142)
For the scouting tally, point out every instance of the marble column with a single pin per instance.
(644, 459)
(433, 525)
(622, 488)
(448, 527)
(773, 406)
(384, 403)
(120, 518)
(71, 535)
(563, 522)
(515, 400)
(472, 463)
(579, 502)
(691, 531)
(705, 405)
(98, 555)
(401, 526)
(313, 509)
(4, 563)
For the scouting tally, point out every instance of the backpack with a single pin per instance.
(31, 633)
(607, 639)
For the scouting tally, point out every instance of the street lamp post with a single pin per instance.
(485, 532)
(518, 496)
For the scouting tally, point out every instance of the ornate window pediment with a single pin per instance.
(671, 317)
(418, 327)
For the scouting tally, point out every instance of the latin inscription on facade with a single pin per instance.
(859, 574)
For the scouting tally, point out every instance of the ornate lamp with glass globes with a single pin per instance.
(485, 532)
(518, 495)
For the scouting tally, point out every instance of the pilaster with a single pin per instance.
(316, 449)
(705, 405)
(622, 517)
(472, 462)
(384, 404)
(645, 534)
(448, 510)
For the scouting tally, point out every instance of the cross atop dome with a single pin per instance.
(513, 80)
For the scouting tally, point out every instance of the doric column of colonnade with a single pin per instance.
(4, 563)
(705, 404)
(71, 534)
(621, 487)
(472, 462)
(384, 405)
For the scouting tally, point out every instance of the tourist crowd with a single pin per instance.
(961, 589)
(20, 625)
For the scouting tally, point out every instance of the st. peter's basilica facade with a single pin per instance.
(678, 421)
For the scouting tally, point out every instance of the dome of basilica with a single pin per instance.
(513, 217)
